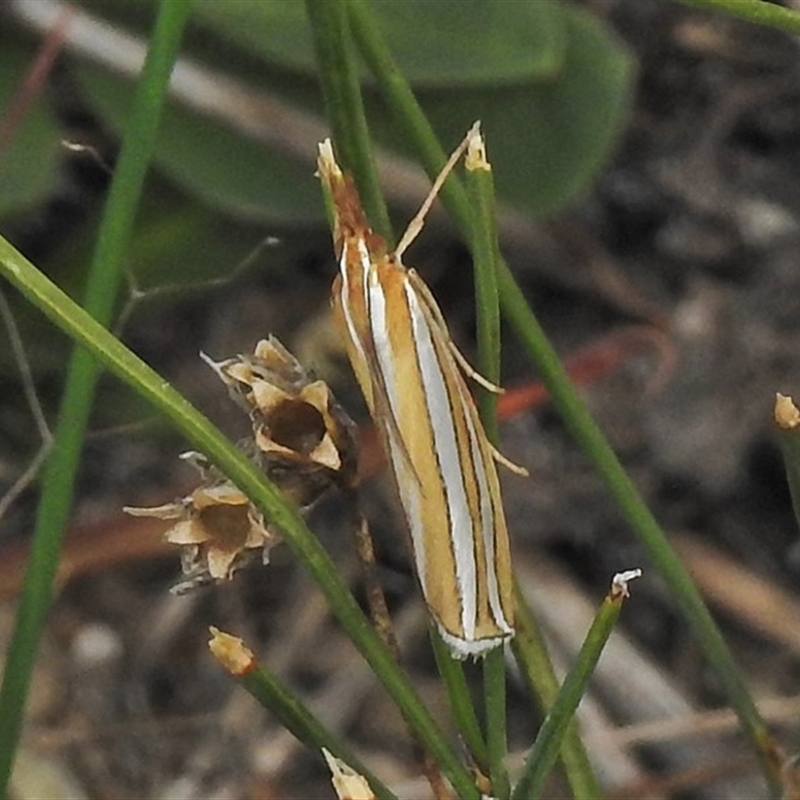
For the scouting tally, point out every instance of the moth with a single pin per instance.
(413, 379)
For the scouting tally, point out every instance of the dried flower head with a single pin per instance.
(302, 439)
(306, 439)
(216, 526)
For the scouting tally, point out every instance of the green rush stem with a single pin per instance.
(531, 654)
(417, 131)
(480, 188)
(205, 438)
(290, 711)
(771, 15)
(551, 735)
(338, 74)
(105, 275)
(594, 444)
(461, 706)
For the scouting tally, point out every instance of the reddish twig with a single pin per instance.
(31, 87)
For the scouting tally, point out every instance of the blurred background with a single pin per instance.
(646, 161)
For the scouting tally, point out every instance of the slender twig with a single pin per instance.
(24, 367)
(30, 472)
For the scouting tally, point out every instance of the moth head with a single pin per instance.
(348, 216)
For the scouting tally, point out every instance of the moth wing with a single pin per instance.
(437, 321)
(432, 307)
(363, 357)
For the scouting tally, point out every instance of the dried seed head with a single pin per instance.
(231, 652)
(303, 441)
(306, 439)
(787, 416)
(217, 528)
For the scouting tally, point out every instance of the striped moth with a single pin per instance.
(412, 378)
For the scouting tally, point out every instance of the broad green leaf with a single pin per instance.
(546, 140)
(438, 43)
(222, 167)
(28, 167)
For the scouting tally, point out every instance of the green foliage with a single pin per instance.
(104, 279)
(28, 167)
(552, 87)
(550, 83)
(486, 43)
(221, 168)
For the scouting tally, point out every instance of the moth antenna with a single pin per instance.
(471, 372)
(507, 463)
(431, 306)
(417, 223)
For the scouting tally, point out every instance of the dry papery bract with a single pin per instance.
(348, 784)
(217, 528)
(297, 424)
(302, 440)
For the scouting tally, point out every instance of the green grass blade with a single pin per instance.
(551, 735)
(586, 432)
(458, 696)
(403, 106)
(485, 254)
(205, 438)
(537, 670)
(343, 99)
(480, 188)
(410, 117)
(338, 76)
(287, 708)
(103, 283)
(771, 15)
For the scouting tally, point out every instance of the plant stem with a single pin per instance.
(771, 15)
(330, 27)
(480, 187)
(551, 735)
(205, 438)
(411, 119)
(287, 708)
(343, 99)
(537, 670)
(585, 431)
(104, 279)
(458, 695)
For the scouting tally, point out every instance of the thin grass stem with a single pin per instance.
(412, 121)
(480, 188)
(556, 724)
(537, 670)
(338, 74)
(205, 438)
(771, 15)
(105, 276)
(285, 706)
